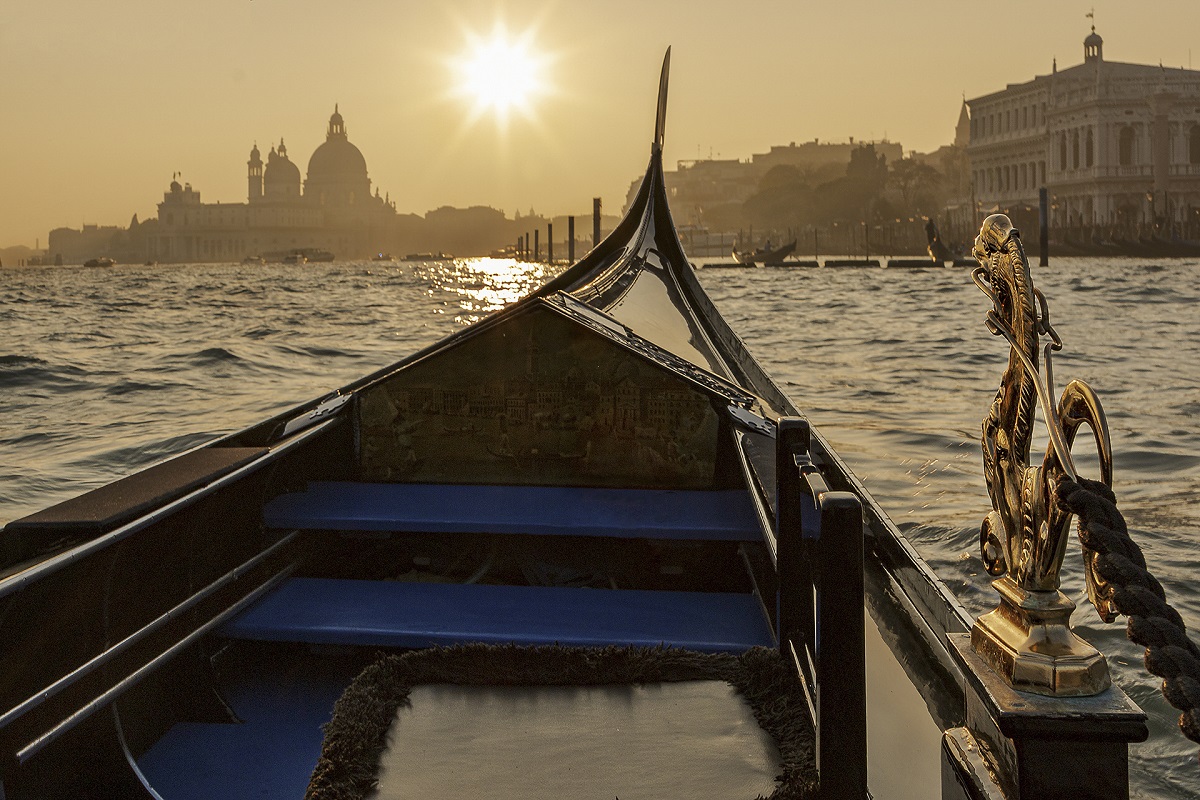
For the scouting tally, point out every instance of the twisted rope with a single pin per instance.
(1152, 622)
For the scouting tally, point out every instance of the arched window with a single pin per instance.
(1062, 151)
(1091, 150)
(1125, 147)
(1194, 146)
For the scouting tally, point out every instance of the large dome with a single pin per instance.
(336, 160)
(337, 171)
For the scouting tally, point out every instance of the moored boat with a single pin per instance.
(104, 261)
(600, 465)
(767, 256)
(428, 257)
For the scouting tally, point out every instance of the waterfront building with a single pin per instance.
(1116, 145)
(697, 185)
(333, 210)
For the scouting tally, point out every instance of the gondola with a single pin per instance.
(767, 256)
(596, 485)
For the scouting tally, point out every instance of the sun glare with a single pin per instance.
(501, 75)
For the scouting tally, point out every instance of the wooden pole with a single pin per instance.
(537, 247)
(549, 242)
(595, 221)
(571, 239)
(1043, 228)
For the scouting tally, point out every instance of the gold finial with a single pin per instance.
(1028, 638)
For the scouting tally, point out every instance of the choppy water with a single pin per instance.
(103, 371)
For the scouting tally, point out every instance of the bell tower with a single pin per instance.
(1093, 47)
(254, 176)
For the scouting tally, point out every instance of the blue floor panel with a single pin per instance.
(397, 614)
(268, 756)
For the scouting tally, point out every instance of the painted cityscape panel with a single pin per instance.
(539, 400)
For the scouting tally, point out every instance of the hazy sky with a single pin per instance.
(103, 101)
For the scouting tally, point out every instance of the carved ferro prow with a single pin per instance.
(1028, 638)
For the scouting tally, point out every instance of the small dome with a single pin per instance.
(1093, 47)
(279, 168)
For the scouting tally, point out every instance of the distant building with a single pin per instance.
(333, 210)
(1116, 145)
(696, 185)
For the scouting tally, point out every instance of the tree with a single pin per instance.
(916, 182)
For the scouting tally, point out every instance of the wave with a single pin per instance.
(29, 372)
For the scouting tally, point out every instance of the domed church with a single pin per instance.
(331, 212)
(337, 171)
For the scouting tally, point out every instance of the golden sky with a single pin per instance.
(103, 101)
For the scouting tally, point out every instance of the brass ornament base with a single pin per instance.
(1029, 641)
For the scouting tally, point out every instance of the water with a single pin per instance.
(103, 371)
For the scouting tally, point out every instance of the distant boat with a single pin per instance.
(765, 255)
(383, 257)
(295, 258)
(254, 260)
(428, 257)
(315, 254)
(99, 262)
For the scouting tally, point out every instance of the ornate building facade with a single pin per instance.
(333, 210)
(1116, 145)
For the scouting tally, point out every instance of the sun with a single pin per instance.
(499, 74)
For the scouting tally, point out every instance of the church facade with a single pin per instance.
(331, 210)
(1116, 145)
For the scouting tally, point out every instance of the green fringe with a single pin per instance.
(356, 736)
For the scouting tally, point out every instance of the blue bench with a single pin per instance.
(411, 615)
(544, 510)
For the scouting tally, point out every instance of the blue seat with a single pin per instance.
(544, 510)
(410, 615)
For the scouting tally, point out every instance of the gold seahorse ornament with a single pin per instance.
(1028, 638)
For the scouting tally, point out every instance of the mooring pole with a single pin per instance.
(595, 221)
(571, 239)
(549, 242)
(1043, 229)
(537, 245)
(520, 248)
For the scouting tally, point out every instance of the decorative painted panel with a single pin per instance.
(538, 399)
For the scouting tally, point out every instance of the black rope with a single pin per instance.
(1152, 622)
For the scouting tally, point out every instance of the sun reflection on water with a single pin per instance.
(479, 286)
